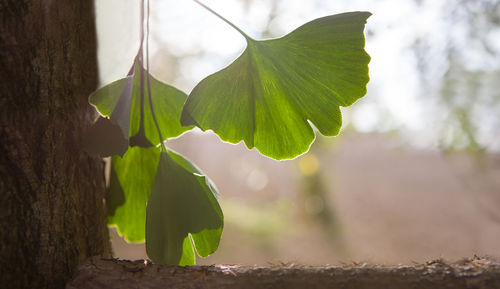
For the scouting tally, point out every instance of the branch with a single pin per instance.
(109, 273)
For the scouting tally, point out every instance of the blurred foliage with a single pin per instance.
(262, 221)
(316, 194)
(466, 94)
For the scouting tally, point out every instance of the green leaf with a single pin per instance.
(267, 96)
(104, 138)
(131, 181)
(182, 208)
(129, 111)
(109, 134)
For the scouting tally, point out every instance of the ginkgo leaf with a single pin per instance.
(109, 134)
(122, 103)
(105, 138)
(270, 93)
(182, 209)
(131, 181)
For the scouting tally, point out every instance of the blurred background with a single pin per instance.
(415, 172)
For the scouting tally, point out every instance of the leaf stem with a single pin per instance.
(162, 144)
(225, 20)
(141, 128)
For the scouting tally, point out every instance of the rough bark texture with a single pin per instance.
(51, 193)
(472, 273)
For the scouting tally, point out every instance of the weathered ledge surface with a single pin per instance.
(476, 272)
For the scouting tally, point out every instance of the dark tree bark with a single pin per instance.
(51, 192)
(467, 274)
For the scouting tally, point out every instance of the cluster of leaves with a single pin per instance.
(268, 98)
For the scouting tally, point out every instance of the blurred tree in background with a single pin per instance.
(463, 91)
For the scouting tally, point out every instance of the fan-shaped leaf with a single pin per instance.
(131, 181)
(105, 138)
(122, 103)
(267, 96)
(182, 208)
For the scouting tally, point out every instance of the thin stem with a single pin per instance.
(142, 26)
(139, 60)
(225, 20)
(149, 83)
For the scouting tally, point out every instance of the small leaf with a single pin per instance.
(182, 205)
(131, 181)
(267, 96)
(105, 138)
(108, 136)
(168, 102)
(124, 105)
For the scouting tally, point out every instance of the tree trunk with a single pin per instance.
(51, 193)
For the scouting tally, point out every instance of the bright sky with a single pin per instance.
(206, 44)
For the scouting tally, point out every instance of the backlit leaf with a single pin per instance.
(267, 96)
(182, 209)
(122, 103)
(131, 181)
